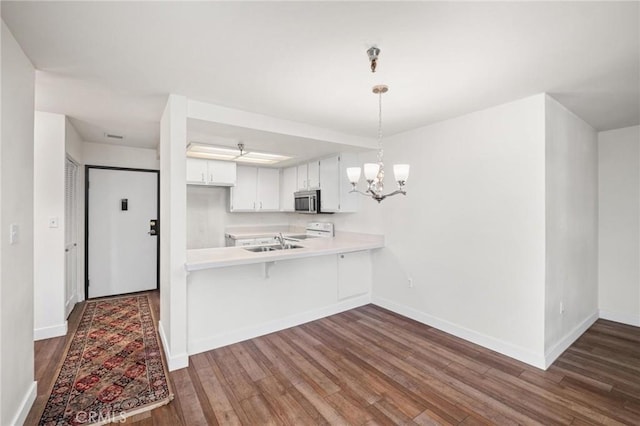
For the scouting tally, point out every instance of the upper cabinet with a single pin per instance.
(288, 185)
(301, 184)
(256, 189)
(335, 195)
(210, 172)
(268, 190)
(308, 176)
(313, 175)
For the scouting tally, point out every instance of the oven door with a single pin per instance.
(305, 203)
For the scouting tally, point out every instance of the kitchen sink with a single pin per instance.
(287, 247)
(261, 248)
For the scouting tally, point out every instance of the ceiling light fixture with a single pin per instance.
(374, 172)
(213, 152)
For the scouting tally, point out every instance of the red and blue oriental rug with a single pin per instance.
(113, 367)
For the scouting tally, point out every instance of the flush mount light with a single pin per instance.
(113, 136)
(214, 152)
(374, 172)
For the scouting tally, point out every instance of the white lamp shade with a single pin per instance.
(371, 171)
(401, 172)
(353, 173)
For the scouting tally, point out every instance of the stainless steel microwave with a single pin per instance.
(307, 201)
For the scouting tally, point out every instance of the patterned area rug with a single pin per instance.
(113, 367)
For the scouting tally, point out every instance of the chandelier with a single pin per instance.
(374, 172)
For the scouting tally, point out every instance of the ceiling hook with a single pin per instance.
(373, 53)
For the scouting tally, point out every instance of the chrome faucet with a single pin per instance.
(280, 238)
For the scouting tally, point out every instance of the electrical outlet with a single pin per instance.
(14, 233)
(410, 281)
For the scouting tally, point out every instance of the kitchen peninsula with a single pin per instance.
(234, 294)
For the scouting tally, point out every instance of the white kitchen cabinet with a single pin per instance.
(308, 176)
(256, 189)
(313, 175)
(210, 172)
(288, 185)
(354, 274)
(302, 177)
(197, 171)
(330, 184)
(268, 190)
(335, 186)
(243, 195)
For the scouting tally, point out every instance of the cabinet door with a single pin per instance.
(313, 175)
(330, 184)
(288, 185)
(302, 177)
(243, 195)
(196, 171)
(222, 173)
(354, 274)
(349, 201)
(268, 190)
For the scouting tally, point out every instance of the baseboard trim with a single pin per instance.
(173, 362)
(51, 331)
(563, 344)
(209, 343)
(25, 405)
(513, 351)
(621, 318)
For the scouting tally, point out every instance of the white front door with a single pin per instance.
(123, 253)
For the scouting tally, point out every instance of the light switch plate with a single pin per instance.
(53, 222)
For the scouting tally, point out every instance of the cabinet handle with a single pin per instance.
(260, 205)
(211, 177)
(202, 176)
(254, 205)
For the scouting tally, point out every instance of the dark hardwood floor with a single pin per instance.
(371, 366)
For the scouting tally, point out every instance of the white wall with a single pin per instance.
(49, 244)
(471, 231)
(173, 232)
(572, 228)
(102, 154)
(73, 143)
(17, 386)
(619, 225)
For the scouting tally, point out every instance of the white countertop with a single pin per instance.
(220, 257)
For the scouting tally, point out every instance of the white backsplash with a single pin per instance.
(208, 216)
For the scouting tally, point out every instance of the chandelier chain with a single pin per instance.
(380, 152)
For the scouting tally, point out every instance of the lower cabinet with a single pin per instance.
(354, 274)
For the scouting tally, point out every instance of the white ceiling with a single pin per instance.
(110, 65)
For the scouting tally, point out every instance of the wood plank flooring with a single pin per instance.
(370, 366)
